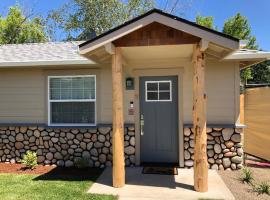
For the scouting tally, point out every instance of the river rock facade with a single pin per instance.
(224, 148)
(63, 146)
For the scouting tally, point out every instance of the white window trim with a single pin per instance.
(71, 100)
(158, 100)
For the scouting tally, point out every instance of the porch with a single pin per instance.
(160, 187)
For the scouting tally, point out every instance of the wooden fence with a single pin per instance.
(257, 119)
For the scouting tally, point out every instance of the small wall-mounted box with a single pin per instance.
(129, 83)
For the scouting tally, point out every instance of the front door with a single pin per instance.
(159, 119)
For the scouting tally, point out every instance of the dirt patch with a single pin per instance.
(244, 191)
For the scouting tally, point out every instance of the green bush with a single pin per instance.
(29, 160)
(247, 176)
(263, 188)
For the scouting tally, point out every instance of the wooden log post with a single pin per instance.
(199, 121)
(118, 120)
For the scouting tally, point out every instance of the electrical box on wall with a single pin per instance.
(129, 83)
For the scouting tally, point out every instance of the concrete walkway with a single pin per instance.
(160, 187)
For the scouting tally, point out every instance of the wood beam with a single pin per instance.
(204, 44)
(110, 48)
(199, 121)
(118, 120)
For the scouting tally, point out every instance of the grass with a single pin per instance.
(247, 176)
(25, 187)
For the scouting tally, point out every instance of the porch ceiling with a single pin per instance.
(157, 52)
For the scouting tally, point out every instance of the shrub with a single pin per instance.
(29, 160)
(263, 188)
(81, 162)
(247, 176)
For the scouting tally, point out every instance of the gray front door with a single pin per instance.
(159, 119)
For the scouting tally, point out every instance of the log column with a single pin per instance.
(199, 121)
(118, 120)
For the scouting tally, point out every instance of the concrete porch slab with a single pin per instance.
(159, 187)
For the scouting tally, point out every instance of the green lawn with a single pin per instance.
(33, 187)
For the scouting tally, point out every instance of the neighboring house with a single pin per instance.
(57, 98)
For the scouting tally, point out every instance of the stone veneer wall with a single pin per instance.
(62, 146)
(224, 148)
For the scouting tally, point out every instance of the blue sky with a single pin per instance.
(258, 12)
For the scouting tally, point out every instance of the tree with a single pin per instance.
(17, 27)
(83, 19)
(261, 73)
(207, 21)
(239, 27)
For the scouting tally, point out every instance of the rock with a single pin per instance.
(58, 156)
(71, 151)
(191, 150)
(214, 167)
(86, 155)
(49, 156)
(216, 134)
(19, 145)
(233, 166)
(238, 130)
(217, 140)
(102, 158)
(239, 145)
(101, 138)
(191, 143)
(226, 162)
(227, 133)
(11, 138)
(60, 163)
(218, 161)
(239, 166)
(94, 152)
(79, 137)
(210, 153)
(104, 130)
(189, 163)
(132, 141)
(94, 138)
(237, 159)
(240, 151)
(130, 150)
(186, 155)
(69, 163)
(217, 148)
(209, 130)
(187, 132)
(220, 167)
(210, 137)
(236, 138)
(98, 144)
(75, 131)
(23, 129)
(228, 154)
(32, 139)
(105, 150)
(229, 144)
(40, 159)
(36, 133)
(87, 135)
(70, 136)
(54, 139)
(19, 137)
(211, 160)
(83, 145)
(209, 146)
(89, 145)
(186, 145)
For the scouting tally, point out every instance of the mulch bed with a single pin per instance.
(20, 169)
(52, 172)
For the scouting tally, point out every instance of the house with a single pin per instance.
(140, 85)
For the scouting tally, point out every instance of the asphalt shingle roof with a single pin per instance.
(41, 52)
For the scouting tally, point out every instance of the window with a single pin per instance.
(158, 91)
(72, 100)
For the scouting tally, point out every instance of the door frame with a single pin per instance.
(176, 71)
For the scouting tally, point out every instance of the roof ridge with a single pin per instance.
(40, 43)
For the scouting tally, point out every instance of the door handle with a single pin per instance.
(142, 124)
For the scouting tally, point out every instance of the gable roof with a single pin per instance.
(33, 54)
(159, 16)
